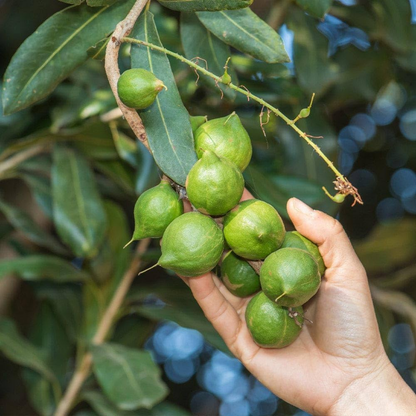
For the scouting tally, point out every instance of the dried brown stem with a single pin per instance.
(113, 72)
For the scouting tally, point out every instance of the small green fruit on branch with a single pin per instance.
(113, 72)
(138, 88)
(344, 186)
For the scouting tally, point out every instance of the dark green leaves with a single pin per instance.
(78, 211)
(245, 31)
(316, 8)
(314, 69)
(39, 267)
(24, 223)
(205, 5)
(166, 121)
(129, 377)
(20, 351)
(198, 41)
(51, 53)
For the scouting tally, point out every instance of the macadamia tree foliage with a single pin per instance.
(131, 129)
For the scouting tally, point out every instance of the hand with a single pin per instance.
(338, 364)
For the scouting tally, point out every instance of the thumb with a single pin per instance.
(334, 244)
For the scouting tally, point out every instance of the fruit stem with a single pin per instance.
(127, 244)
(279, 297)
(149, 268)
(248, 94)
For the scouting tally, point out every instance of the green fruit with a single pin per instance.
(270, 325)
(297, 240)
(138, 88)
(192, 245)
(254, 229)
(155, 209)
(290, 277)
(197, 121)
(227, 137)
(214, 185)
(238, 276)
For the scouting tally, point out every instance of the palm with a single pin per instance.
(330, 353)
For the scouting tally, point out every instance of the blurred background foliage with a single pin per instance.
(360, 60)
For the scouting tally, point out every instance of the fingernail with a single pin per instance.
(302, 207)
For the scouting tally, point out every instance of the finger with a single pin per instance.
(236, 302)
(215, 306)
(334, 244)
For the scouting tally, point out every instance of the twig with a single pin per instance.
(21, 157)
(107, 320)
(113, 72)
(243, 90)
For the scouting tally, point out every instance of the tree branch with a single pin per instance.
(113, 72)
(106, 322)
(242, 90)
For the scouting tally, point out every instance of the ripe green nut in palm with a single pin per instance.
(296, 240)
(238, 276)
(271, 325)
(155, 209)
(214, 185)
(254, 229)
(227, 137)
(290, 277)
(138, 88)
(192, 245)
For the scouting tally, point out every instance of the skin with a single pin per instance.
(338, 365)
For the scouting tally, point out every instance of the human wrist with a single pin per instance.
(380, 392)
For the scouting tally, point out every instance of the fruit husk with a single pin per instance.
(290, 277)
(197, 121)
(227, 137)
(192, 245)
(138, 88)
(295, 239)
(214, 185)
(270, 325)
(254, 229)
(155, 209)
(238, 276)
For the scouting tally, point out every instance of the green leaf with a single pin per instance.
(316, 8)
(278, 189)
(74, 2)
(101, 3)
(199, 42)
(245, 31)
(49, 335)
(23, 222)
(118, 172)
(181, 307)
(205, 5)
(38, 267)
(126, 147)
(314, 69)
(94, 304)
(41, 191)
(65, 300)
(104, 407)
(78, 211)
(128, 377)
(98, 50)
(388, 247)
(19, 350)
(167, 122)
(57, 47)
(112, 261)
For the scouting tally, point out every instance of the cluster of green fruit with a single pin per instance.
(252, 231)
